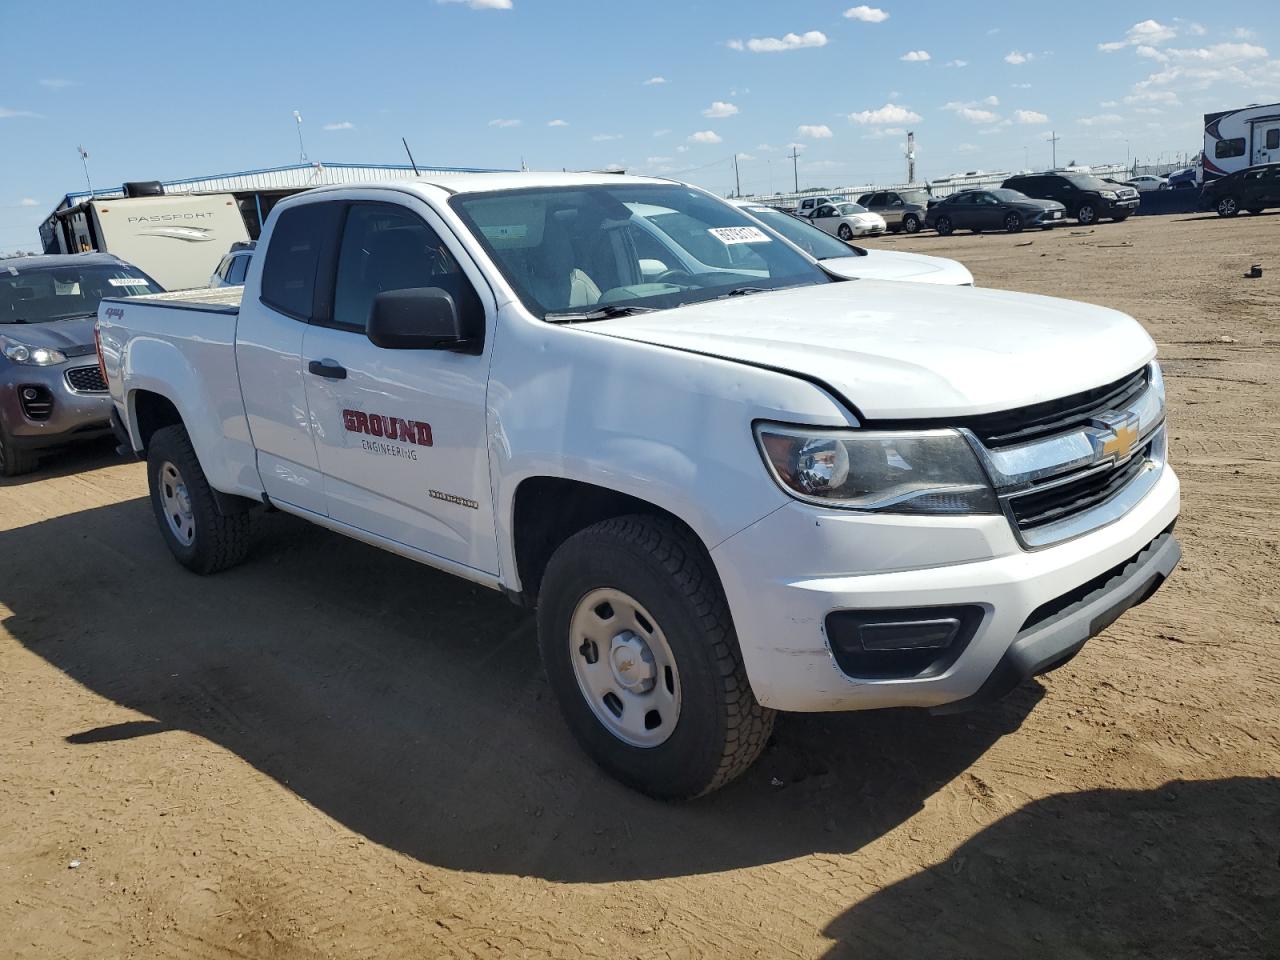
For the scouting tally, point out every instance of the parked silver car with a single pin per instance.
(52, 391)
(901, 209)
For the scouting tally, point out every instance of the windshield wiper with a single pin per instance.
(606, 312)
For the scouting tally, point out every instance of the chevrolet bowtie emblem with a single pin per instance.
(1116, 434)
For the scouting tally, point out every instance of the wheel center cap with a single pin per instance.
(632, 663)
(184, 500)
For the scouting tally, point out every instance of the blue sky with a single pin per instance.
(155, 91)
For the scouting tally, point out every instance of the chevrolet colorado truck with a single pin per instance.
(728, 482)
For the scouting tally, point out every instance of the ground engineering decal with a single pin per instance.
(388, 433)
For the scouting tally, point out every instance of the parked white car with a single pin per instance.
(232, 268)
(808, 206)
(1148, 184)
(848, 220)
(857, 263)
(726, 489)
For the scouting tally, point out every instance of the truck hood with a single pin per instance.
(64, 335)
(892, 265)
(909, 350)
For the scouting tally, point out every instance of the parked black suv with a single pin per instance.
(1085, 196)
(1253, 189)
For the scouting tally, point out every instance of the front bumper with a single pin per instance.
(73, 416)
(1048, 218)
(1121, 207)
(784, 574)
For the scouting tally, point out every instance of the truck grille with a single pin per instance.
(1042, 420)
(86, 380)
(1058, 499)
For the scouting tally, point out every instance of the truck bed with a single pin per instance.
(220, 300)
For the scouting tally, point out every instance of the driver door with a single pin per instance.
(827, 219)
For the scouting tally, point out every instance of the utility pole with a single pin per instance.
(302, 151)
(737, 180)
(1053, 146)
(84, 160)
(911, 156)
(795, 166)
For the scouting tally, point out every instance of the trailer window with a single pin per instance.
(1226, 149)
(293, 258)
(1273, 138)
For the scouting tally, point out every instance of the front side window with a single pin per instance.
(570, 249)
(1226, 149)
(293, 257)
(827, 211)
(39, 294)
(386, 247)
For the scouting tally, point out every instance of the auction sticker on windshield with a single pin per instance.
(127, 282)
(728, 235)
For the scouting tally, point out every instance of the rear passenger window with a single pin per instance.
(293, 257)
(1225, 149)
(386, 247)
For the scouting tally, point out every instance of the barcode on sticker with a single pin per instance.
(127, 282)
(739, 235)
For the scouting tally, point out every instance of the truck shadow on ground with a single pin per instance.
(411, 707)
(1186, 870)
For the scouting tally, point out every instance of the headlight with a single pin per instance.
(31, 356)
(1156, 379)
(1107, 194)
(931, 471)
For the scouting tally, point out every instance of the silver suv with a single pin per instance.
(52, 391)
(901, 209)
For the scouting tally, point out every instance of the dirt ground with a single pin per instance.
(332, 752)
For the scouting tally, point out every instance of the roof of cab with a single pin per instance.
(45, 260)
(490, 182)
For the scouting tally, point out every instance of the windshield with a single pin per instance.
(582, 248)
(1009, 196)
(816, 243)
(1085, 182)
(41, 293)
(850, 209)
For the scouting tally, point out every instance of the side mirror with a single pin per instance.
(416, 318)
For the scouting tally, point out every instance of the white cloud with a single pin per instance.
(992, 101)
(602, 137)
(1101, 120)
(719, 110)
(1219, 53)
(662, 133)
(818, 131)
(1194, 29)
(482, 4)
(1166, 97)
(656, 161)
(504, 123)
(1015, 57)
(916, 56)
(57, 83)
(5, 113)
(889, 113)
(789, 41)
(705, 136)
(765, 147)
(972, 111)
(745, 156)
(557, 123)
(28, 202)
(1148, 33)
(1244, 33)
(1020, 86)
(867, 14)
(956, 63)
(340, 125)
(682, 149)
(1030, 116)
(654, 81)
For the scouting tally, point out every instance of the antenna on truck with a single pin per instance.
(410, 153)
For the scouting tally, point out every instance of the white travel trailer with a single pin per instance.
(1235, 139)
(178, 239)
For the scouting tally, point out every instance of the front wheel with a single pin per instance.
(844, 233)
(944, 226)
(13, 461)
(911, 223)
(199, 536)
(642, 656)
(1086, 215)
(1013, 223)
(1228, 206)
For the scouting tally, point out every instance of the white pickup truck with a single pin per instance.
(729, 482)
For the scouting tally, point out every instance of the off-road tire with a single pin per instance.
(721, 729)
(221, 540)
(13, 461)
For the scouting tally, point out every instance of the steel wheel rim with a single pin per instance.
(625, 669)
(175, 499)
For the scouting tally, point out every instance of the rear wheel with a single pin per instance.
(911, 223)
(1086, 214)
(944, 226)
(1228, 206)
(845, 233)
(13, 461)
(199, 536)
(641, 654)
(1013, 223)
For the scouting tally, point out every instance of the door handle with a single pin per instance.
(329, 369)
